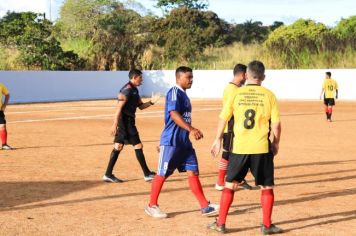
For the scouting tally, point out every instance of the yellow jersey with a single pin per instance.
(3, 91)
(229, 93)
(254, 109)
(330, 86)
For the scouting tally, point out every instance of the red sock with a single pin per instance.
(3, 136)
(197, 190)
(330, 110)
(222, 171)
(267, 200)
(327, 109)
(157, 184)
(226, 199)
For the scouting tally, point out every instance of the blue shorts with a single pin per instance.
(171, 158)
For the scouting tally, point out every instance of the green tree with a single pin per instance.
(105, 32)
(297, 42)
(275, 25)
(250, 32)
(30, 33)
(79, 18)
(346, 31)
(121, 39)
(78, 22)
(167, 5)
(185, 33)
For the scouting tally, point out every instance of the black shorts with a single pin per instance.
(329, 102)
(228, 139)
(261, 166)
(2, 118)
(127, 132)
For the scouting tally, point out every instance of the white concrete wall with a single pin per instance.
(306, 84)
(45, 86)
(286, 84)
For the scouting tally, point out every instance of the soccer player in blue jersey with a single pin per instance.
(176, 149)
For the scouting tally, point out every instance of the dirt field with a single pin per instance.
(51, 184)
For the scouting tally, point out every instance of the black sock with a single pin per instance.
(113, 158)
(327, 115)
(141, 159)
(330, 115)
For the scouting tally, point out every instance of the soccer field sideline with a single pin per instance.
(70, 108)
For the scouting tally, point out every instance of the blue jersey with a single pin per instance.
(173, 135)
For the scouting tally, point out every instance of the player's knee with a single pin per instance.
(230, 185)
(193, 173)
(234, 185)
(2, 126)
(119, 146)
(266, 187)
(138, 146)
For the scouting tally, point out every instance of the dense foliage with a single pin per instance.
(296, 43)
(185, 33)
(111, 35)
(191, 4)
(30, 35)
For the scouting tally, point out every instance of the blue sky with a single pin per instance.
(328, 12)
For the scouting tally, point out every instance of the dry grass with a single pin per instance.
(9, 59)
(211, 59)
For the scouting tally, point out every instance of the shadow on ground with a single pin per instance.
(20, 193)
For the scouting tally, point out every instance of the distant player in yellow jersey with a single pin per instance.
(330, 90)
(257, 119)
(3, 131)
(229, 91)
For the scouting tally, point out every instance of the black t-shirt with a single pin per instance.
(133, 99)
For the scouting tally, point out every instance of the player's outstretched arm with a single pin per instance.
(154, 98)
(321, 94)
(122, 100)
(276, 135)
(178, 119)
(216, 147)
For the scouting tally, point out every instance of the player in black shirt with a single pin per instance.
(124, 128)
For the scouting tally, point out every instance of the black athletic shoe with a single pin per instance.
(271, 230)
(112, 179)
(245, 185)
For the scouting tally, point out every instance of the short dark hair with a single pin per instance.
(183, 69)
(328, 73)
(239, 68)
(134, 72)
(256, 69)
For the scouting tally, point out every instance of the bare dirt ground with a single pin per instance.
(51, 183)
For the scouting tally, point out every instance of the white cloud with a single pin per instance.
(38, 6)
